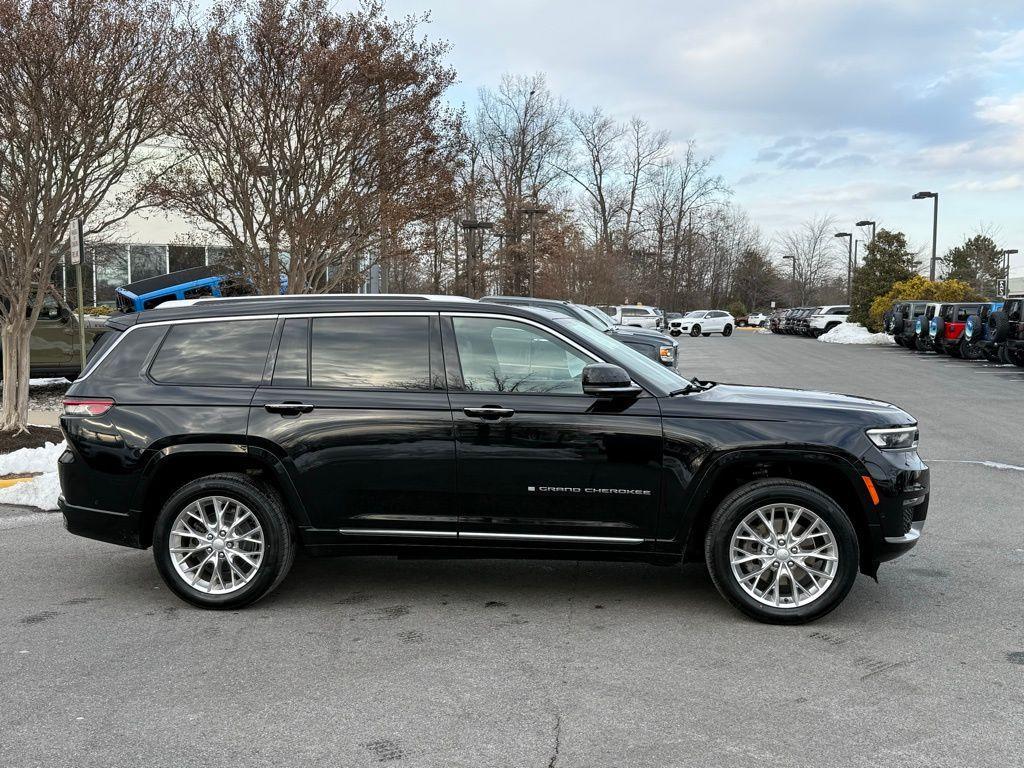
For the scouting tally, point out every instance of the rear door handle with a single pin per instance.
(291, 409)
(490, 412)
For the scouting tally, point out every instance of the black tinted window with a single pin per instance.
(231, 352)
(371, 353)
(292, 367)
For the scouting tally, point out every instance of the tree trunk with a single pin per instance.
(15, 339)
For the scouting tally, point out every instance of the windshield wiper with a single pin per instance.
(695, 385)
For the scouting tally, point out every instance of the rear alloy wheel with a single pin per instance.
(782, 551)
(727, 331)
(223, 541)
(695, 331)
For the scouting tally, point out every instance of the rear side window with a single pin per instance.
(124, 361)
(370, 352)
(223, 353)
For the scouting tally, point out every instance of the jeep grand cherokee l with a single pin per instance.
(228, 433)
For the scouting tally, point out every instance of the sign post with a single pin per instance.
(77, 252)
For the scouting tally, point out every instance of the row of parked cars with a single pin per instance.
(808, 321)
(991, 330)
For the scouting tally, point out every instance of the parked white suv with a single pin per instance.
(703, 322)
(756, 319)
(635, 315)
(827, 318)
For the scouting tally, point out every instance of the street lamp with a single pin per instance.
(792, 298)
(531, 212)
(475, 250)
(935, 225)
(1006, 265)
(849, 264)
(866, 223)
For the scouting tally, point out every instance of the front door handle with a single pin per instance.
(489, 412)
(289, 409)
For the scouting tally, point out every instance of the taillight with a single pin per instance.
(87, 406)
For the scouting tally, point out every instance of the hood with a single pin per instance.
(642, 334)
(777, 404)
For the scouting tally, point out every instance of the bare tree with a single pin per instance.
(310, 139)
(596, 167)
(811, 254)
(521, 135)
(645, 153)
(83, 84)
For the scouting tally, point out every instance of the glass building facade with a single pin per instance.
(108, 266)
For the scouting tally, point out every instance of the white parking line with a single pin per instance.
(992, 464)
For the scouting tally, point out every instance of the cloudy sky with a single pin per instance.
(845, 107)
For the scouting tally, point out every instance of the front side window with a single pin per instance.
(222, 353)
(507, 356)
(371, 352)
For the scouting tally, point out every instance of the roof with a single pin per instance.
(253, 306)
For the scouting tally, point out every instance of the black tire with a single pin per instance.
(998, 326)
(1004, 355)
(695, 331)
(675, 332)
(899, 340)
(973, 331)
(744, 500)
(705, 335)
(970, 350)
(1016, 357)
(991, 354)
(898, 324)
(887, 321)
(940, 329)
(265, 504)
(727, 331)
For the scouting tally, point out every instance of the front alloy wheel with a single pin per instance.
(695, 331)
(783, 555)
(782, 551)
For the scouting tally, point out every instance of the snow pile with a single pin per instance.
(854, 333)
(42, 491)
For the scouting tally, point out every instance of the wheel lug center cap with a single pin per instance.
(782, 554)
(218, 544)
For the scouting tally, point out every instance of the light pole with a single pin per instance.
(867, 223)
(531, 212)
(475, 252)
(792, 298)
(856, 244)
(935, 225)
(849, 264)
(1006, 265)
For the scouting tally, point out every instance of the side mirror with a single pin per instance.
(607, 380)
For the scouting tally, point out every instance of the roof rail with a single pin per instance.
(304, 296)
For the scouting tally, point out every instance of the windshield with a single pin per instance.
(696, 313)
(601, 320)
(666, 378)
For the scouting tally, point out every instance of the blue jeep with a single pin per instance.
(979, 338)
(193, 283)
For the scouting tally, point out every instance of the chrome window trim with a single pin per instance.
(92, 366)
(528, 321)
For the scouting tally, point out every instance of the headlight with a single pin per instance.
(894, 438)
(667, 353)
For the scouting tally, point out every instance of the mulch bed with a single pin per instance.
(35, 438)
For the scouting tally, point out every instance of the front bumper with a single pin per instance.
(903, 484)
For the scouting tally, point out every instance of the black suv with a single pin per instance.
(1006, 330)
(654, 344)
(228, 433)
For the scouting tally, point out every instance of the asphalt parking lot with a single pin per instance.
(548, 664)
